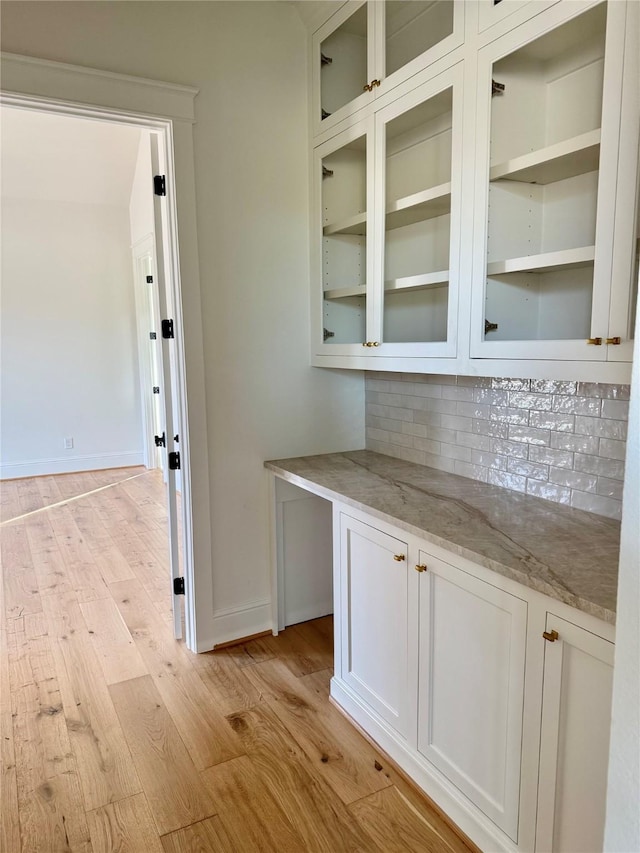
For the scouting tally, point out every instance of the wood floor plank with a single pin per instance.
(204, 837)
(50, 800)
(9, 500)
(318, 638)
(112, 642)
(395, 826)
(202, 727)
(102, 755)
(318, 816)
(87, 581)
(126, 827)
(169, 778)
(9, 815)
(111, 563)
(298, 654)
(254, 651)
(230, 688)
(335, 750)
(237, 788)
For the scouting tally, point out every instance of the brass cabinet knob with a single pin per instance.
(551, 636)
(596, 342)
(371, 344)
(399, 558)
(374, 83)
(366, 88)
(375, 344)
(421, 568)
(614, 342)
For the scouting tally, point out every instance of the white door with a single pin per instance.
(374, 608)
(574, 746)
(471, 686)
(165, 337)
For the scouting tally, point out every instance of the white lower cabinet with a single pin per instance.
(497, 708)
(471, 686)
(373, 597)
(574, 750)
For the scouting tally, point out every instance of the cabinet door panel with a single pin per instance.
(374, 613)
(472, 656)
(576, 718)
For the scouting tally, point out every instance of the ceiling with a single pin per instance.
(61, 158)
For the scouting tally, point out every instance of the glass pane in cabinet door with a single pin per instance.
(343, 72)
(546, 112)
(344, 243)
(418, 222)
(414, 26)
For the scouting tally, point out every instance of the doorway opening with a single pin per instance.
(140, 375)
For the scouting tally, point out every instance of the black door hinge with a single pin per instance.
(174, 460)
(159, 185)
(167, 328)
(161, 440)
(149, 279)
(178, 586)
(156, 389)
(152, 336)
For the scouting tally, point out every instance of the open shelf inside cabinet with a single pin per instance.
(346, 292)
(566, 159)
(419, 206)
(566, 259)
(356, 224)
(418, 282)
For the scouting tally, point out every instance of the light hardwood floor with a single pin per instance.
(114, 737)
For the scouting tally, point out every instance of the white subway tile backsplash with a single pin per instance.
(529, 435)
(603, 427)
(553, 386)
(528, 469)
(515, 433)
(507, 480)
(613, 468)
(552, 420)
(612, 449)
(577, 405)
(596, 503)
(549, 491)
(521, 400)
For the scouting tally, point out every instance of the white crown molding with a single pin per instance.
(41, 78)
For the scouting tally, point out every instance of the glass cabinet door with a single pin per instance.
(418, 225)
(343, 56)
(413, 27)
(546, 186)
(345, 196)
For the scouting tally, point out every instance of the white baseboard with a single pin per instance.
(234, 623)
(446, 796)
(70, 465)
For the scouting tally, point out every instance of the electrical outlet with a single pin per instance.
(68, 443)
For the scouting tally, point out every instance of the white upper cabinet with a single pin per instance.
(548, 134)
(387, 240)
(492, 12)
(367, 48)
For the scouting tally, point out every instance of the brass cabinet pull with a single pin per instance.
(373, 84)
(551, 636)
(399, 558)
(421, 568)
(366, 88)
(614, 342)
(596, 342)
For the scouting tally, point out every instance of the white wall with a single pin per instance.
(141, 201)
(69, 364)
(263, 400)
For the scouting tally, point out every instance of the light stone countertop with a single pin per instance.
(567, 554)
